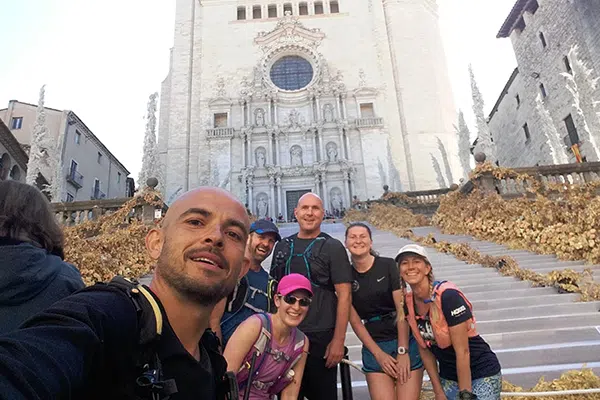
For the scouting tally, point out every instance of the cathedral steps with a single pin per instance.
(536, 331)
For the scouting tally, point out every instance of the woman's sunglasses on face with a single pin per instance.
(291, 300)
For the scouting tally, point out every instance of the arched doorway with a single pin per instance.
(15, 173)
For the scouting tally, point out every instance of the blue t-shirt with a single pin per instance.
(256, 298)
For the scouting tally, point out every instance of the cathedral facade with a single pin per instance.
(272, 99)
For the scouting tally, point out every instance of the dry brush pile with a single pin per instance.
(112, 244)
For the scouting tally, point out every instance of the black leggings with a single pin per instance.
(318, 382)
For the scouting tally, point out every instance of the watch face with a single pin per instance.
(401, 350)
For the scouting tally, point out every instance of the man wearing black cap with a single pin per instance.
(251, 295)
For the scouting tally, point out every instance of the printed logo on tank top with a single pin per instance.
(426, 330)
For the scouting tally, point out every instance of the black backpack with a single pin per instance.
(309, 256)
(149, 383)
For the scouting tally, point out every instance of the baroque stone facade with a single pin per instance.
(542, 34)
(338, 100)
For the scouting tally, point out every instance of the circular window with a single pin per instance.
(291, 73)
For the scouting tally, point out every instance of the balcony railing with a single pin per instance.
(98, 194)
(220, 132)
(368, 122)
(75, 178)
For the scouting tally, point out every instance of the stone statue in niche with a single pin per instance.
(259, 117)
(332, 153)
(296, 156)
(262, 205)
(336, 200)
(261, 157)
(328, 112)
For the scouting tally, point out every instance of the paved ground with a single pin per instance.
(535, 331)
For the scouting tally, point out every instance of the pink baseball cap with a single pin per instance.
(293, 282)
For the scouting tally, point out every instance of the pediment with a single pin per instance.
(220, 102)
(365, 92)
(289, 30)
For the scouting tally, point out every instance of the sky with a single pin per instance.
(103, 59)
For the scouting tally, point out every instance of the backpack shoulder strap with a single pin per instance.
(150, 383)
(262, 344)
(149, 314)
(225, 382)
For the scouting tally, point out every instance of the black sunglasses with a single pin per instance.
(291, 300)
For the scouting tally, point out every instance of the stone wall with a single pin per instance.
(563, 24)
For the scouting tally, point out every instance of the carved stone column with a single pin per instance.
(325, 192)
(343, 99)
(244, 147)
(318, 103)
(315, 144)
(270, 150)
(342, 144)
(317, 182)
(250, 155)
(272, 198)
(347, 142)
(269, 116)
(346, 191)
(250, 181)
(277, 149)
(337, 107)
(321, 144)
(280, 195)
(276, 112)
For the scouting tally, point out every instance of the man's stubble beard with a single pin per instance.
(195, 290)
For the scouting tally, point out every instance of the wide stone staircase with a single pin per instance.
(534, 331)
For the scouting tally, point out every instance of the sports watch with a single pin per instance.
(466, 395)
(401, 350)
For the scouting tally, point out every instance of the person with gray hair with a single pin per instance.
(33, 274)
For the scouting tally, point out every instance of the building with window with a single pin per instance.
(90, 170)
(542, 33)
(272, 99)
(13, 158)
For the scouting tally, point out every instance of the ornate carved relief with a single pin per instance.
(288, 31)
(220, 88)
(296, 156)
(294, 119)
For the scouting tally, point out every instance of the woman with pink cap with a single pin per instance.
(268, 351)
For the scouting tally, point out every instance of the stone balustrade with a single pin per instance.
(220, 132)
(427, 201)
(77, 212)
(428, 196)
(368, 122)
(546, 175)
(74, 213)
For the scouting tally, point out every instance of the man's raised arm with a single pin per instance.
(56, 353)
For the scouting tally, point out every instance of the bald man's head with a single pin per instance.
(200, 245)
(309, 214)
(309, 195)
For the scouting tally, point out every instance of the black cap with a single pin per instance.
(265, 226)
